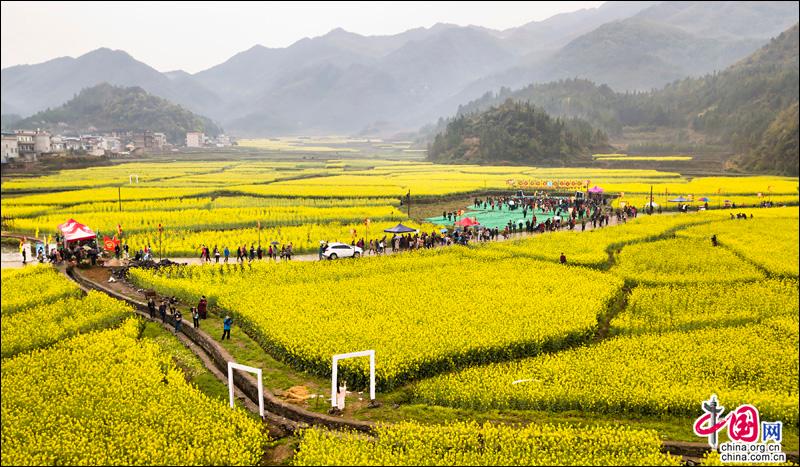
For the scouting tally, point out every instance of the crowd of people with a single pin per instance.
(243, 254)
(77, 251)
(168, 306)
(541, 213)
(555, 213)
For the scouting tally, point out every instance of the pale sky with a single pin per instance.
(193, 36)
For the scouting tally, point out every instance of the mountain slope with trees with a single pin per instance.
(107, 107)
(733, 108)
(515, 133)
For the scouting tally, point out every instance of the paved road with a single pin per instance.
(11, 258)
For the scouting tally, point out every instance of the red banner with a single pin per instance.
(109, 243)
(547, 184)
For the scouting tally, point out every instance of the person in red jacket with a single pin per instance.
(201, 307)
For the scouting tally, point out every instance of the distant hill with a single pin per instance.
(737, 108)
(753, 19)
(515, 133)
(108, 107)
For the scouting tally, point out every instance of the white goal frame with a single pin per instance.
(257, 371)
(130, 178)
(335, 374)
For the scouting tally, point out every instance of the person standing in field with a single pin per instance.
(151, 307)
(216, 254)
(226, 327)
(178, 320)
(162, 310)
(563, 258)
(227, 253)
(195, 317)
(202, 307)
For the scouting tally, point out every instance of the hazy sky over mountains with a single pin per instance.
(193, 36)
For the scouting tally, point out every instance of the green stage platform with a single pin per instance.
(494, 218)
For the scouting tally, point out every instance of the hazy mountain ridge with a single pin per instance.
(428, 72)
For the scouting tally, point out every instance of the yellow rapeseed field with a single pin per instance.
(423, 313)
(106, 398)
(468, 443)
(33, 286)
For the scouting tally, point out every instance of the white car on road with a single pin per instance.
(341, 250)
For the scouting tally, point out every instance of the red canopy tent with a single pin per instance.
(74, 231)
(467, 222)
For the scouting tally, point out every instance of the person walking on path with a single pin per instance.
(151, 307)
(227, 254)
(195, 317)
(216, 254)
(178, 320)
(226, 327)
(321, 250)
(202, 307)
(563, 258)
(162, 310)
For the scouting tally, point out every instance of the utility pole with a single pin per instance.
(159, 242)
(408, 203)
(651, 199)
(119, 197)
